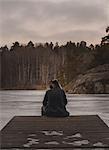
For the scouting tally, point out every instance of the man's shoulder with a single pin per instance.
(48, 91)
(62, 90)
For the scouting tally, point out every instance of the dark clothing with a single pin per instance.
(54, 103)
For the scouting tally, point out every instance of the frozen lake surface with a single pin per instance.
(29, 102)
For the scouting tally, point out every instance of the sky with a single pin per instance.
(53, 20)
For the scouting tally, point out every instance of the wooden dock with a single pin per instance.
(33, 132)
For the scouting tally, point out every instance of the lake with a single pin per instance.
(29, 102)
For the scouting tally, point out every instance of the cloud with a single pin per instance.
(62, 20)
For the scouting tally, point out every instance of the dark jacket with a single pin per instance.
(55, 102)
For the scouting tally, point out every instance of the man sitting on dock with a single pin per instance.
(55, 101)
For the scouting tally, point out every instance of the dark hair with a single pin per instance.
(56, 83)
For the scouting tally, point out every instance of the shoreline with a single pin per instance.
(40, 89)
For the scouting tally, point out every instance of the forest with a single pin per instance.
(32, 66)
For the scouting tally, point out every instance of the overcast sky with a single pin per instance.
(53, 20)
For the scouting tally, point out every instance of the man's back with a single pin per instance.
(54, 102)
(56, 98)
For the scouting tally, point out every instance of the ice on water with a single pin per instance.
(77, 143)
(52, 142)
(77, 135)
(29, 102)
(58, 133)
(31, 141)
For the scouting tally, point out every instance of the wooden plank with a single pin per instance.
(46, 132)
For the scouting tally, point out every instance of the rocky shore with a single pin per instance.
(93, 81)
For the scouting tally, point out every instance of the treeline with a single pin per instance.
(31, 66)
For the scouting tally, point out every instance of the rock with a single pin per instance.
(99, 88)
(95, 80)
(107, 88)
(78, 89)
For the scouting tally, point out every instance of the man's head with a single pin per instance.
(54, 84)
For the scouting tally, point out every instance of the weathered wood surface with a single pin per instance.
(43, 132)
